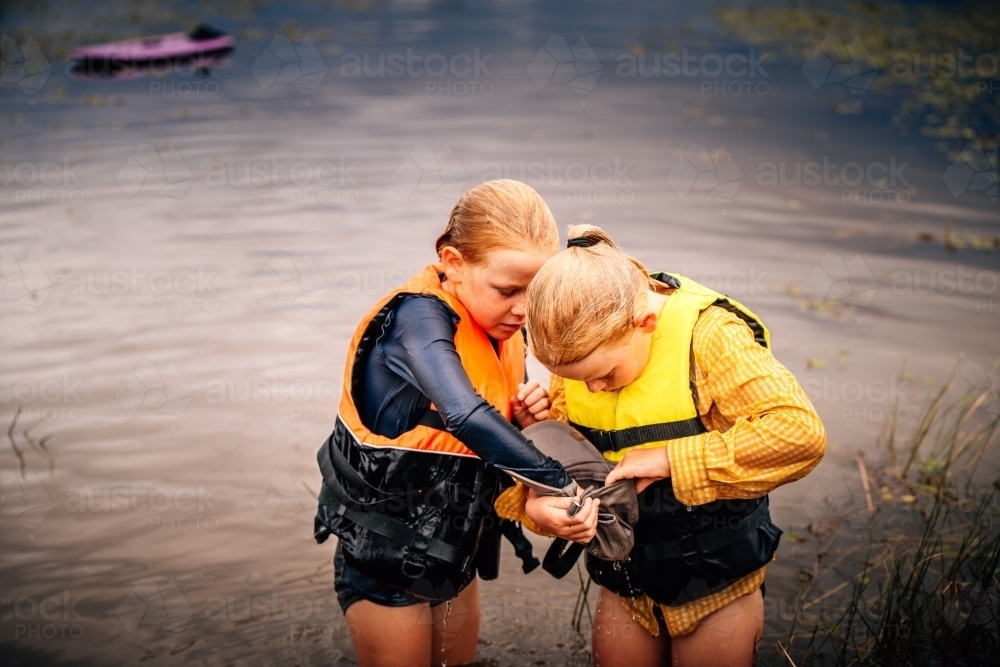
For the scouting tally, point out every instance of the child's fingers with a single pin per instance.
(560, 503)
(540, 406)
(587, 530)
(526, 388)
(586, 515)
(620, 472)
(537, 394)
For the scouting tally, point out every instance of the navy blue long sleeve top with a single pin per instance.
(414, 363)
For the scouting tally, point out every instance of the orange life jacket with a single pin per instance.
(494, 376)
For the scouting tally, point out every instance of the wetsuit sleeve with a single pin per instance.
(763, 430)
(420, 347)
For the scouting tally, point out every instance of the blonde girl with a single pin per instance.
(675, 383)
(433, 381)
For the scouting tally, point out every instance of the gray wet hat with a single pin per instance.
(619, 510)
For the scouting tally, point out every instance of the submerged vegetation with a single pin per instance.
(941, 57)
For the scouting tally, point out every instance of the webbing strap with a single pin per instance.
(332, 463)
(561, 557)
(709, 542)
(386, 526)
(613, 441)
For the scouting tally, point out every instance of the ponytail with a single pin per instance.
(584, 297)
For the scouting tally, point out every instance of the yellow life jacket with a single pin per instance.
(680, 554)
(659, 405)
(494, 375)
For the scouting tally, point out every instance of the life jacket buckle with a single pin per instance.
(690, 549)
(412, 568)
(605, 440)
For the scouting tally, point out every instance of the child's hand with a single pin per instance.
(531, 404)
(645, 466)
(549, 513)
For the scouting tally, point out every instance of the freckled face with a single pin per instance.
(494, 291)
(610, 367)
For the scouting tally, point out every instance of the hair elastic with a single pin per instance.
(580, 242)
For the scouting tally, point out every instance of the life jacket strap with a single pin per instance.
(707, 542)
(332, 463)
(618, 439)
(386, 526)
(561, 557)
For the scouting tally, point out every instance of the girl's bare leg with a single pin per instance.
(726, 638)
(619, 641)
(456, 631)
(417, 635)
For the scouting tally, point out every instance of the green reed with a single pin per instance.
(924, 588)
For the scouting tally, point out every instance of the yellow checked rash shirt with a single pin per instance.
(762, 432)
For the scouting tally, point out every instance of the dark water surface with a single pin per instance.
(185, 257)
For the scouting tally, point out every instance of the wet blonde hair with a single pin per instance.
(499, 214)
(584, 297)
